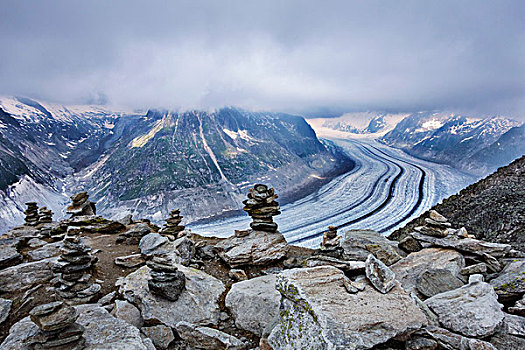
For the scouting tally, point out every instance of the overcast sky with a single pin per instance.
(311, 57)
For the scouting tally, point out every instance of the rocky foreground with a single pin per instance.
(92, 283)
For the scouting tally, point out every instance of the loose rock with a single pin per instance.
(254, 303)
(381, 277)
(510, 284)
(5, 308)
(410, 268)
(472, 310)
(197, 304)
(207, 338)
(318, 313)
(127, 312)
(436, 281)
(161, 335)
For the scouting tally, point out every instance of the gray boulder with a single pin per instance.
(472, 310)
(318, 313)
(410, 268)
(127, 312)
(255, 248)
(254, 303)
(510, 284)
(5, 308)
(436, 281)
(511, 335)
(198, 302)
(160, 335)
(207, 338)
(151, 242)
(359, 243)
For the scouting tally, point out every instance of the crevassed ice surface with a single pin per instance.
(385, 190)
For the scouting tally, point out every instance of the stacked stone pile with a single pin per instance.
(262, 207)
(57, 327)
(172, 225)
(31, 213)
(331, 239)
(73, 285)
(436, 225)
(166, 280)
(81, 206)
(46, 215)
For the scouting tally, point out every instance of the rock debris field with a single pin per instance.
(92, 283)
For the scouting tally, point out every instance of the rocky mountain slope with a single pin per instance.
(493, 209)
(203, 161)
(147, 163)
(89, 282)
(472, 144)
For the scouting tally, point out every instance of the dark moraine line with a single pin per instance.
(367, 215)
(355, 205)
(420, 189)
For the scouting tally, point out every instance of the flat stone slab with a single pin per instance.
(317, 312)
(197, 304)
(410, 268)
(9, 256)
(24, 276)
(469, 245)
(359, 243)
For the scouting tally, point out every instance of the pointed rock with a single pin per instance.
(381, 277)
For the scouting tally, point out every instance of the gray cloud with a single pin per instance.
(313, 57)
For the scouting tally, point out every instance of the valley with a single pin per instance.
(386, 189)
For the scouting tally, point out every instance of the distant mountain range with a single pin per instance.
(475, 145)
(151, 163)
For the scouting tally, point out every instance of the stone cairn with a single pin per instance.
(81, 206)
(172, 225)
(73, 285)
(57, 327)
(46, 215)
(166, 280)
(437, 225)
(31, 213)
(331, 239)
(262, 207)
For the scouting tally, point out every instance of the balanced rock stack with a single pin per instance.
(31, 213)
(166, 280)
(262, 207)
(172, 225)
(73, 284)
(81, 205)
(437, 225)
(46, 215)
(57, 327)
(331, 239)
